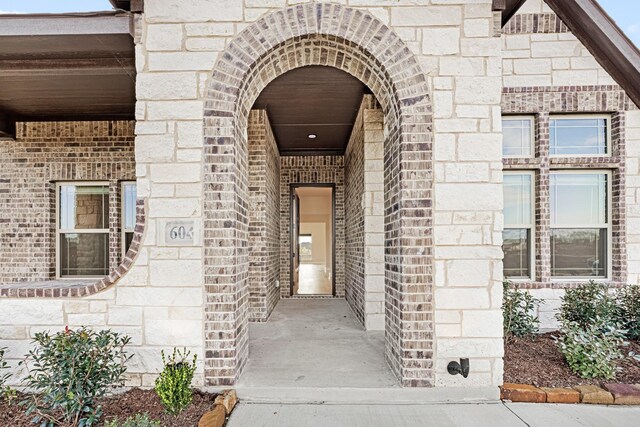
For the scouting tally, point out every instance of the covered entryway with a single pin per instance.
(238, 281)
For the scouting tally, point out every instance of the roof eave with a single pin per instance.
(135, 6)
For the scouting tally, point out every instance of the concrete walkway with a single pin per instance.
(480, 415)
(315, 343)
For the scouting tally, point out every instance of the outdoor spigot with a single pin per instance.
(462, 368)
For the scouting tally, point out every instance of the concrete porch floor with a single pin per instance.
(315, 343)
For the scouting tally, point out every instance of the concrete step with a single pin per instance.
(349, 395)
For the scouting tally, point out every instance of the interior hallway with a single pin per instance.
(315, 343)
(313, 280)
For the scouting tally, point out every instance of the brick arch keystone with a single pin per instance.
(356, 42)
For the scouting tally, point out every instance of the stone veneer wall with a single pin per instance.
(364, 213)
(435, 69)
(538, 50)
(264, 217)
(311, 170)
(42, 154)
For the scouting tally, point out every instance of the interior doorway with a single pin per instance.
(313, 239)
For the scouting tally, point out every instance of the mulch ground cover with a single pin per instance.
(538, 361)
(130, 403)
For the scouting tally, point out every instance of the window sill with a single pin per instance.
(564, 284)
(51, 288)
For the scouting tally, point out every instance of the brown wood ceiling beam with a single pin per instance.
(126, 64)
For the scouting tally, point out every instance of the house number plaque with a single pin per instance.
(179, 233)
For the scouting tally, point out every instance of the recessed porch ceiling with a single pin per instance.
(314, 100)
(66, 67)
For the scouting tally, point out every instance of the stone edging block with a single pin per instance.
(222, 408)
(522, 393)
(618, 394)
(624, 394)
(594, 395)
(561, 395)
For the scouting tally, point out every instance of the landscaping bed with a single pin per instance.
(130, 403)
(537, 361)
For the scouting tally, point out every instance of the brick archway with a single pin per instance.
(356, 42)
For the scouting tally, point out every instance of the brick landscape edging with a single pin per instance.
(611, 394)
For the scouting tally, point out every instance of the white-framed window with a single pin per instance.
(518, 234)
(580, 205)
(128, 222)
(82, 229)
(518, 136)
(580, 135)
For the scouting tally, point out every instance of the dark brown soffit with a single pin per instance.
(128, 5)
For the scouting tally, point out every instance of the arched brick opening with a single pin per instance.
(356, 42)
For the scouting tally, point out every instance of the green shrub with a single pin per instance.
(3, 377)
(139, 420)
(628, 299)
(173, 386)
(67, 373)
(517, 312)
(587, 304)
(591, 351)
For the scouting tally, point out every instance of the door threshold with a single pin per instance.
(313, 297)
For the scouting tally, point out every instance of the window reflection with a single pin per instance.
(579, 253)
(517, 252)
(83, 227)
(516, 134)
(578, 136)
(518, 220)
(579, 221)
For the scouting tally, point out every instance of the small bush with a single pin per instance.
(4, 391)
(173, 386)
(588, 304)
(591, 351)
(69, 371)
(139, 420)
(517, 312)
(628, 299)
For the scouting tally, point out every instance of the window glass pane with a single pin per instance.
(517, 252)
(579, 252)
(129, 212)
(578, 199)
(517, 199)
(84, 254)
(84, 207)
(516, 137)
(578, 136)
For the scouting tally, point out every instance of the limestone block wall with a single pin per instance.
(264, 217)
(539, 50)
(461, 59)
(468, 196)
(364, 213)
